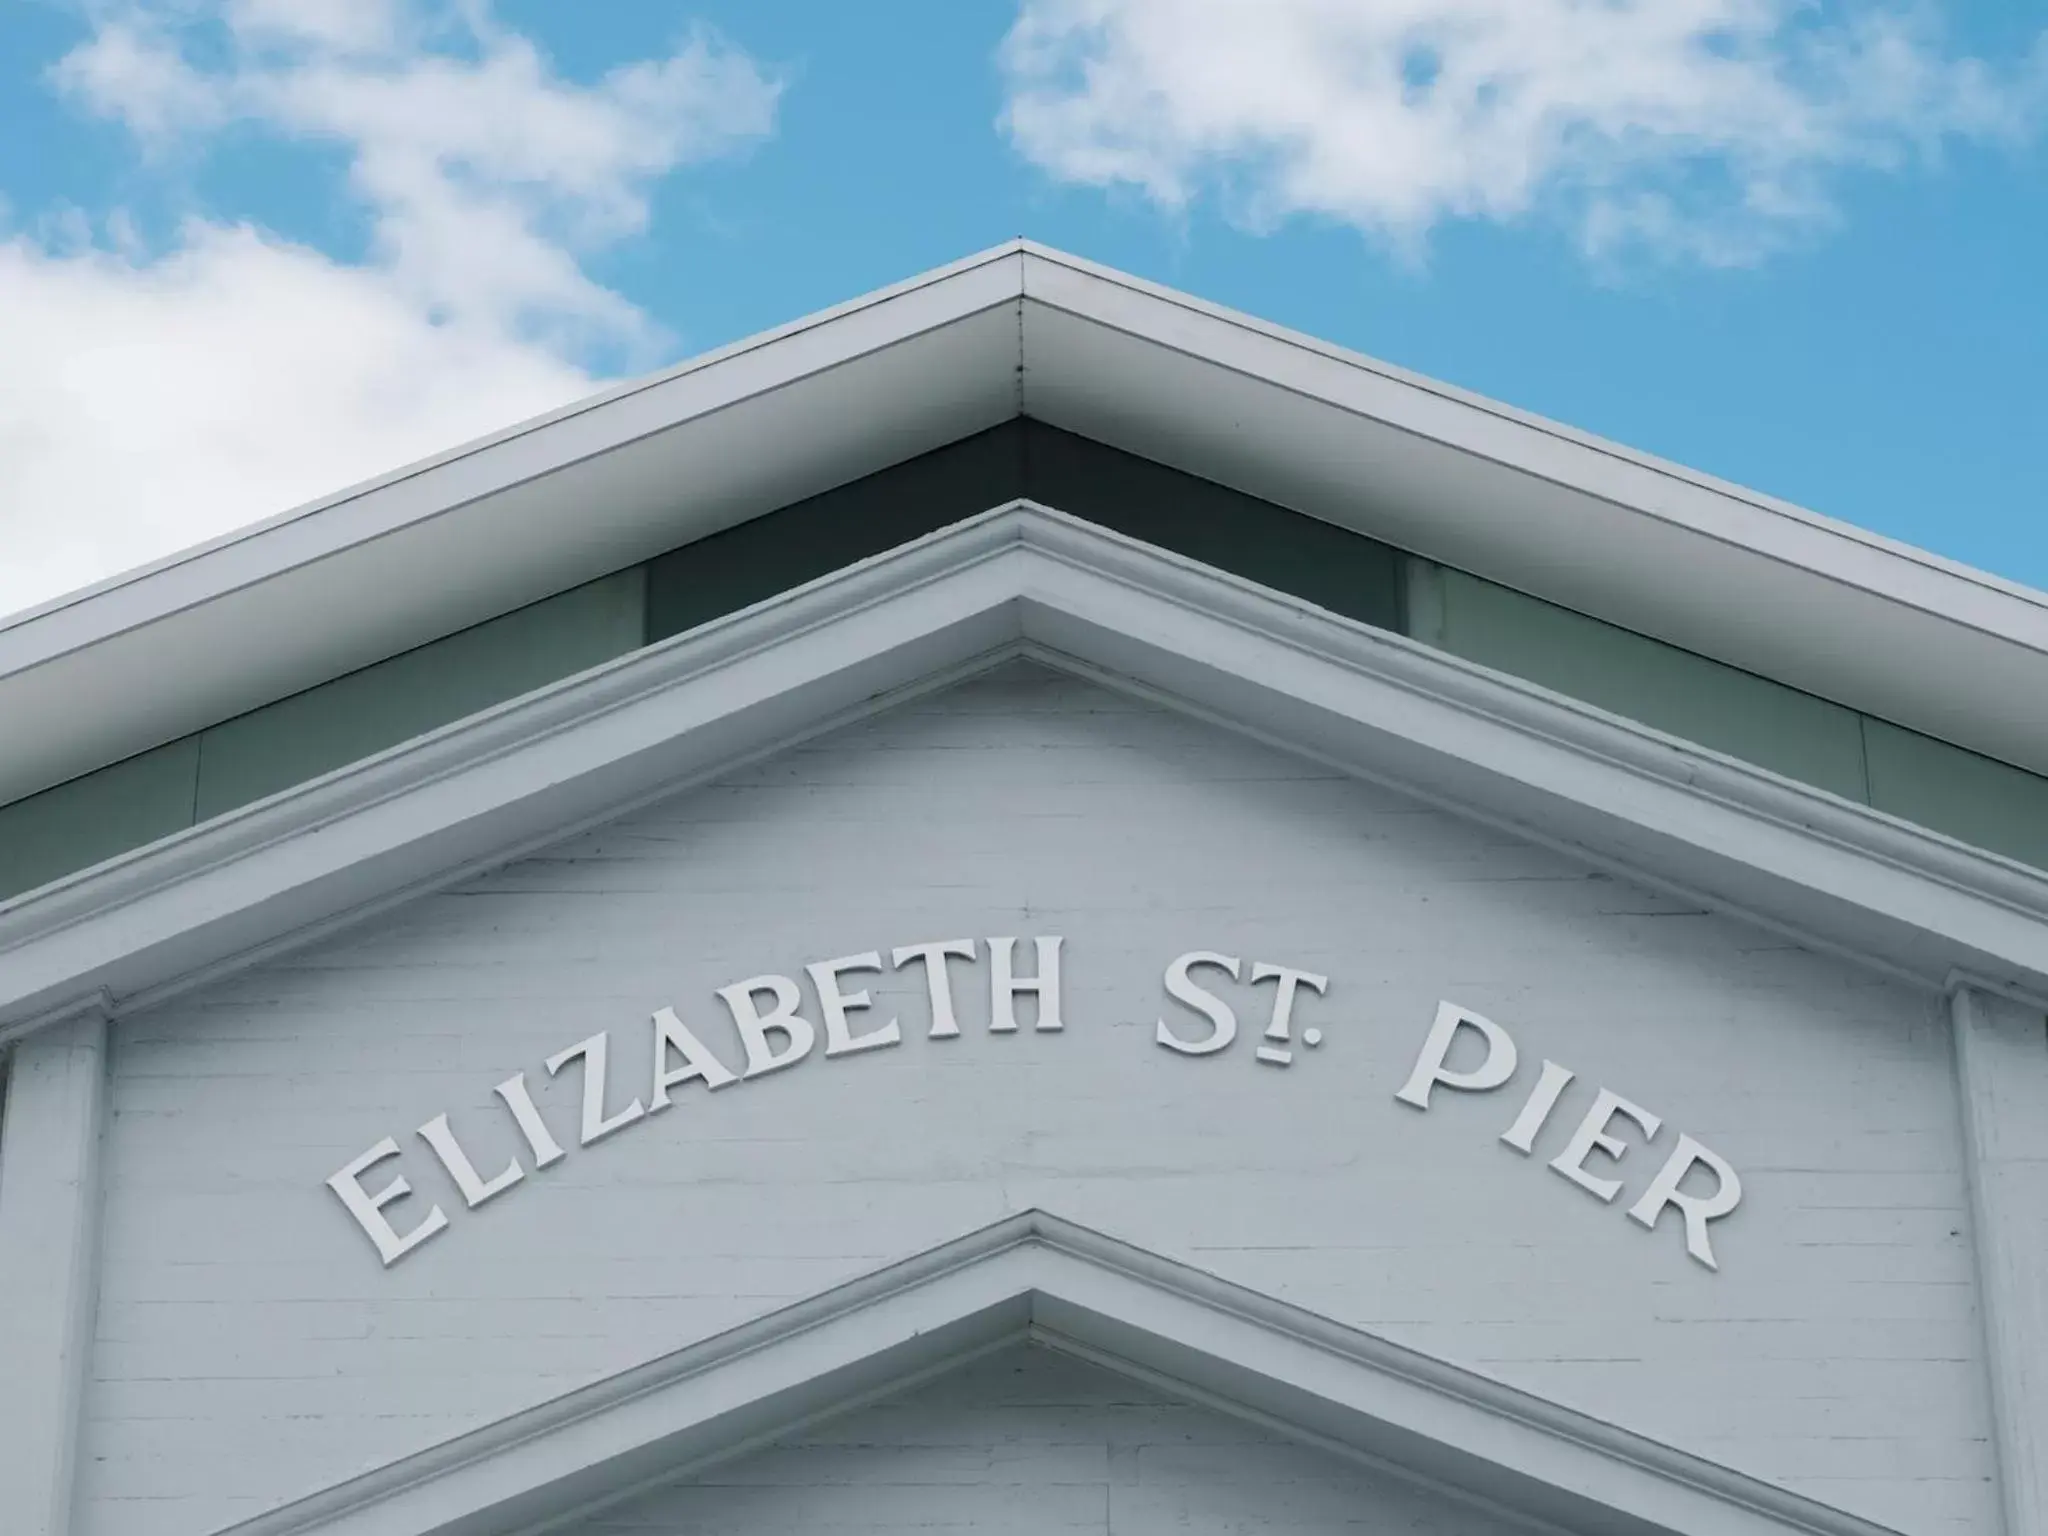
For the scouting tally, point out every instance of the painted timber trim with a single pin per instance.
(2002, 1072)
(1016, 580)
(1036, 1276)
(49, 1228)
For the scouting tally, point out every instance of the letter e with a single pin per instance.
(368, 1208)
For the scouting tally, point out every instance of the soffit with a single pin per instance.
(441, 545)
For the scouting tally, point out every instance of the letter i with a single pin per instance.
(546, 1149)
(1542, 1100)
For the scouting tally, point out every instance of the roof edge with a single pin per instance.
(624, 389)
(1638, 542)
(1563, 433)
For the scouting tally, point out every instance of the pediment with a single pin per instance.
(1037, 1278)
(1017, 581)
(1027, 801)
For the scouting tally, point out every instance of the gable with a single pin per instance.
(1834, 1351)
(1029, 1440)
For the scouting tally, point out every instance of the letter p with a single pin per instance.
(1430, 1069)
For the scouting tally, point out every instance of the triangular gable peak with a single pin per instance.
(1036, 1277)
(1020, 331)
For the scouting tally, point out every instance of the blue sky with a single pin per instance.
(258, 249)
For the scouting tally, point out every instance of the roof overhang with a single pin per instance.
(433, 548)
(1034, 1277)
(1026, 581)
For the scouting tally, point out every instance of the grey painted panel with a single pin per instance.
(135, 803)
(1029, 1440)
(755, 560)
(1330, 566)
(1972, 798)
(251, 1349)
(1334, 568)
(76, 825)
(304, 736)
(1746, 716)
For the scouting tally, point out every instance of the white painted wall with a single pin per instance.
(1032, 1442)
(252, 1349)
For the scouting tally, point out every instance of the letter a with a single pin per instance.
(672, 1034)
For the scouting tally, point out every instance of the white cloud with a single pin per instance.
(1706, 128)
(154, 397)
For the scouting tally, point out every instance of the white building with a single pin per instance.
(1027, 906)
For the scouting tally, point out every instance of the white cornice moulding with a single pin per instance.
(1015, 581)
(1035, 1277)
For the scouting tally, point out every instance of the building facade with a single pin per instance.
(1027, 905)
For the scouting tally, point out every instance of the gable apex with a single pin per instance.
(1019, 330)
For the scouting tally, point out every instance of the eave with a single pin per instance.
(1015, 581)
(1844, 614)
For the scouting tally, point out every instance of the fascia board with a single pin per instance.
(1034, 1275)
(1018, 579)
(1641, 543)
(517, 517)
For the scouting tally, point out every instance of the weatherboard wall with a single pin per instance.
(251, 1348)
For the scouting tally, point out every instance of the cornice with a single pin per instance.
(1018, 580)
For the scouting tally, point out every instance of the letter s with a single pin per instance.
(1223, 1022)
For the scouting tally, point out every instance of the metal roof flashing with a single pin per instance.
(656, 463)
